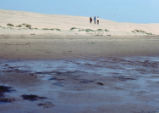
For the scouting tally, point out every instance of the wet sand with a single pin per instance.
(78, 74)
(94, 85)
(55, 47)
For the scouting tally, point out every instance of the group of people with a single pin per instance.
(95, 19)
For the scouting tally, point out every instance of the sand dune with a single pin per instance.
(41, 23)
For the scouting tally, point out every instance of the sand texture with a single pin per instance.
(18, 22)
(57, 47)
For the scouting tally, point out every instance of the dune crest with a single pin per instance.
(19, 22)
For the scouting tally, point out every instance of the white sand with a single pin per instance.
(64, 23)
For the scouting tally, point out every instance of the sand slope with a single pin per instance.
(65, 23)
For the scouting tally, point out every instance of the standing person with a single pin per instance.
(90, 19)
(95, 19)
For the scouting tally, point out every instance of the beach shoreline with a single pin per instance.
(56, 46)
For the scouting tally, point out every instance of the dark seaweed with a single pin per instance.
(32, 97)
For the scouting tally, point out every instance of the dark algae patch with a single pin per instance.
(32, 97)
(5, 89)
(100, 83)
(125, 78)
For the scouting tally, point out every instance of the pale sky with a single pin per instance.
(138, 11)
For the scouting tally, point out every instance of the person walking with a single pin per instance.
(95, 19)
(90, 19)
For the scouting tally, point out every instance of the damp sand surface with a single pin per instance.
(60, 47)
(85, 85)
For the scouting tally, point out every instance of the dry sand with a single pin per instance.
(40, 24)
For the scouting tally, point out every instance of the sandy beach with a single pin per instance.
(26, 35)
(63, 64)
(57, 47)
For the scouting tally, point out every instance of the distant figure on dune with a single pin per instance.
(90, 19)
(95, 19)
